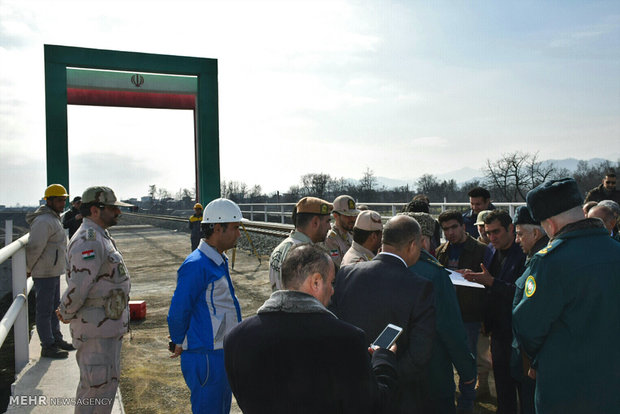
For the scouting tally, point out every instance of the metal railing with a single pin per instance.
(263, 211)
(17, 315)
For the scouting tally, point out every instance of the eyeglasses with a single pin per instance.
(610, 182)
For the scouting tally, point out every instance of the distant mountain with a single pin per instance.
(466, 174)
(571, 163)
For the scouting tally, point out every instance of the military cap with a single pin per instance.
(553, 197)
(369, 220)
(480, 217)
(102, 195)
(345, 205)
(522, 216)
(313, 205)
(426, 222)
(76, 199)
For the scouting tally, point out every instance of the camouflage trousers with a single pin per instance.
(99, 360)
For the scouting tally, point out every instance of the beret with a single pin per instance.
(522, 216)
(553, 197)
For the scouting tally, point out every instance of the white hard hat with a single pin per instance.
(222, 210)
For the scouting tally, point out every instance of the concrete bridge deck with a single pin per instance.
(151, 382)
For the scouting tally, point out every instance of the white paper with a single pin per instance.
(459, 280)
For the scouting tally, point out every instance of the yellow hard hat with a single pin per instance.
(198, 205)
(55, 190)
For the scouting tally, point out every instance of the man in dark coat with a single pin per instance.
(479, 200)
(532, 238)
(451, 343)
(461, 251)
(296, 356)
(568, 319)
(72, 219)
(606, 190)
(502, 265)
(372, 294)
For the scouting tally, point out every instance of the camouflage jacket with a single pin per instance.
(97, 295)
(357, 253)
(337, 243)
(279, 254)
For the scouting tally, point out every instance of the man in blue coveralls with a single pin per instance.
(204, 309)
(569, 317)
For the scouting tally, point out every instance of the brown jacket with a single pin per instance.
(471, 300)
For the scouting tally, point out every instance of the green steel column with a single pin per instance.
(57, 149)
(208, 144)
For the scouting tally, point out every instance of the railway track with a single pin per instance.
(260, 227)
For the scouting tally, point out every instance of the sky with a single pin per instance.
(404, 88)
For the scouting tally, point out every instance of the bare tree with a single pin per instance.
(516, 173)
(315, 184)
(152, 191)
(368, 181)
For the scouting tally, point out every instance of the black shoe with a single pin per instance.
(62, 344)
(53, 352)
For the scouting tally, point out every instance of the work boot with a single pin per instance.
(62, 344)
(53, 351)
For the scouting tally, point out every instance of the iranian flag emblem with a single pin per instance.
(88, 254)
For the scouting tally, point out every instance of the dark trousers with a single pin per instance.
(505, 384)
(468, 391)
(527, 388)
(47, 291)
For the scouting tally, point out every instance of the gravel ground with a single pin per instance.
(263, 243)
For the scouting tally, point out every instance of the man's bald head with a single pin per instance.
(605, 214)
(400, 231)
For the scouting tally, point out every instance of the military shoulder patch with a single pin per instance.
(91, 234)
(530, 286)
(334, 253)
(552, 245)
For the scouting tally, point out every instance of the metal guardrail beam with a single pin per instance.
(17, 315)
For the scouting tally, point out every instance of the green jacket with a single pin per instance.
(568, 321)
(450, 345)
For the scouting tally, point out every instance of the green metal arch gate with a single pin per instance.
(59, 58)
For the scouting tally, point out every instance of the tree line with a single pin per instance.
(508, 178)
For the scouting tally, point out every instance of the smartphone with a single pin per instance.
(387, 338)
(171, 346)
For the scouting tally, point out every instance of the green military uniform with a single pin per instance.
(568, 321)
(450, 347)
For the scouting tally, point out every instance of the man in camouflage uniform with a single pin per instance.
(311, 218)
(340, 238)
(366, 238)
(95, 302)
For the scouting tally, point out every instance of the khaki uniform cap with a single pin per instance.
(480, 218)
(313, 205)
(369, 220)
(345, 205)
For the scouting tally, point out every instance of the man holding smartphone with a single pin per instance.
(296, 356)
(372, 294)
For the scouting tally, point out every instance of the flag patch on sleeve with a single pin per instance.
(88, 254)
